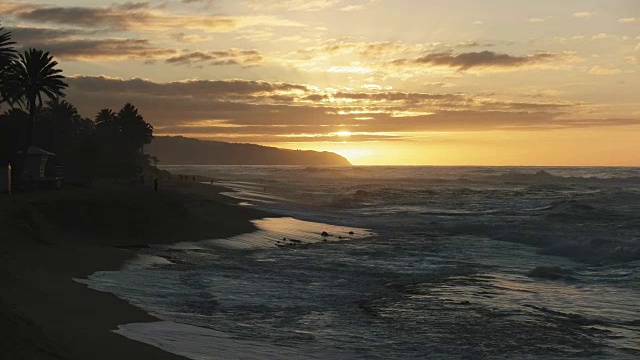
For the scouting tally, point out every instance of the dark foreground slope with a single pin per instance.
(178, 150)
(48, 239)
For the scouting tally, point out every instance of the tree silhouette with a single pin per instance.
(107, 133)
(35, 75)
(120, 139)
(136, 132)
(13, 126)
(110, 146)
(7, 52)
(62, 130)
(105, 117)
(7, 56)
(61, 127)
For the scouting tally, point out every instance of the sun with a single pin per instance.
(344, 133)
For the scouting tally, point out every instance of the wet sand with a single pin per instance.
(49, 239)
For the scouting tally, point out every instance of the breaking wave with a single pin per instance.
(477, 262)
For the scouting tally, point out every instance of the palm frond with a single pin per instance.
(37, 74)
(7, 52)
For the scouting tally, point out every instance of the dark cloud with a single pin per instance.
(76, 44)
(126, 16)
(29, 35)
(73, 44)
(384, 127)
(83, 16)
(316, 97)
(191, 88)
(222, 127)
(226, 57)
(471, 60)
(282, 98)
(106, 49)
(264, 111)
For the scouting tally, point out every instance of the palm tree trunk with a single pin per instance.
(31, 129)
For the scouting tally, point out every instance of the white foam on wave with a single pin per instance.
(146, 260)
(250, 192)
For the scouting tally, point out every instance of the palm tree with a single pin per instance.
(135, 130)
(35, 75)
(6, 47)
(105, 116)
(7, 56)
(61, 125)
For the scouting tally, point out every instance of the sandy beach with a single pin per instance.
(50, 239)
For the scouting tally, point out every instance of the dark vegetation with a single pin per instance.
(34, 117)
(31, 90)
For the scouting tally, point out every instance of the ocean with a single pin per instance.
(418, 262)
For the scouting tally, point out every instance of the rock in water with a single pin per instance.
(324, 233)
(551, 273)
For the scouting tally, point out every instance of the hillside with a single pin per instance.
(178, 150)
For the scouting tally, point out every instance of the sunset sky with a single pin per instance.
(492, 82)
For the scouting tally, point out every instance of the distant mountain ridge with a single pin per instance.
(179, 150)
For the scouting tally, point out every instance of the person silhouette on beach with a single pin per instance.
(155, 185)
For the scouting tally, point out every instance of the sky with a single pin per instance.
(406, 82)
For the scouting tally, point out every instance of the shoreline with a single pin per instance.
(53, 238)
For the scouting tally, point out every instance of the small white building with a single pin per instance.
(36, 174)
